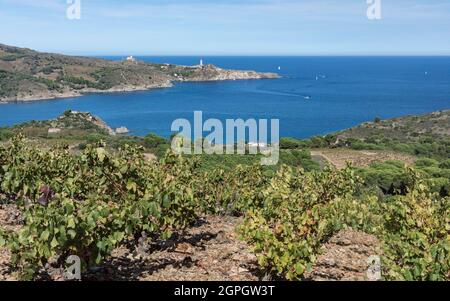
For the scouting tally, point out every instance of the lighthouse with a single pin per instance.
(201, 62)
(130, 59)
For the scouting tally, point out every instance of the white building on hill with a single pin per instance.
(130, 59)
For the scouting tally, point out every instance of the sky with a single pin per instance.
(228, 27)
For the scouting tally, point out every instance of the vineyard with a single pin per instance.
(89, 203)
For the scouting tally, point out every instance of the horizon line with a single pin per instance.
(252, 55)
(142, 54)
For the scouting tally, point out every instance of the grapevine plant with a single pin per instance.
(297, 216)
(86, 205)
(417, 234)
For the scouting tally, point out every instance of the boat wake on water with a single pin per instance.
(281, 93)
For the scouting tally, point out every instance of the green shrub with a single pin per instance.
(298, 158)
(445, 164)
(289, 143)
(153, 141)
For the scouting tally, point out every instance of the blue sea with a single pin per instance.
(316, 95)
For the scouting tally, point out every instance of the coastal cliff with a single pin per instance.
(27, 75)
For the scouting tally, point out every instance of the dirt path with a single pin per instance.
(340, 157)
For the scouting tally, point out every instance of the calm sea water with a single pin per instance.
(316, 95)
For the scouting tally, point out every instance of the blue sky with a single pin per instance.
(233, 27)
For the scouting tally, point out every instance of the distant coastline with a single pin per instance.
(27, 75)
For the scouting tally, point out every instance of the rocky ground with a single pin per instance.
(345, 257)
(210, 250)
(10, 220)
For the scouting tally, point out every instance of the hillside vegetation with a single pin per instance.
(30, 75)
(402, 129)
(382, 148)
(423, 135)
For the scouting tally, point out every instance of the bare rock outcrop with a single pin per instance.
(213, 73)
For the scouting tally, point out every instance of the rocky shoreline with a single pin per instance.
(224, 75)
